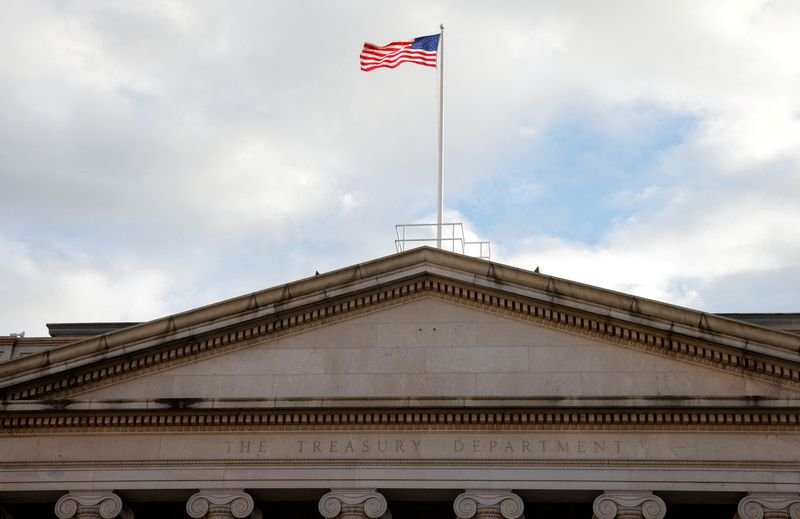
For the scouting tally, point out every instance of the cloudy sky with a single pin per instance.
(158, 156)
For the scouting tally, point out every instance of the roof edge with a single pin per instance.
(168, 327)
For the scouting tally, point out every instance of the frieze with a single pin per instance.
(458, 446)
(434, 446)
(406, 446)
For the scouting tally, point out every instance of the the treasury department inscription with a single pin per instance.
(388, 446)
(353, 446)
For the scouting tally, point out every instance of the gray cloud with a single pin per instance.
(160, 155)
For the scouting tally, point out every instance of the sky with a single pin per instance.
(157, 156)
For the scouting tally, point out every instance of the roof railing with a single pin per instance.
(412, 235)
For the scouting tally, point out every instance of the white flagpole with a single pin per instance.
(440, 182)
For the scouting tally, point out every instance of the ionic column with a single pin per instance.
(629, 505)
(222, 504)
(91, 505)
(769, 506)
(488, 504)
(353, 504)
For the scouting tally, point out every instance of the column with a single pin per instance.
(353, 504)
(222, 504)
(769, 506)
(629, 505)
(488, 504)
(91, 505)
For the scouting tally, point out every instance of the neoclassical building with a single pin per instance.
(423, 384)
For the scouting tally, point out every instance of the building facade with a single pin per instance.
(423, 384)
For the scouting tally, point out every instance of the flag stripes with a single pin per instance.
(420, 51)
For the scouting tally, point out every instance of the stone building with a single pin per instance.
(424, 384)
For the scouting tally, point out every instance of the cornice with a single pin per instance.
(652, 336)
(462, 403)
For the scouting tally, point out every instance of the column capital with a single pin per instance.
(233, 503)
(629, 504)
(758, 506)
(105, 505)
(506, 503)
(369, 502)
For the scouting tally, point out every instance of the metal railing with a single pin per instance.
(411, 235)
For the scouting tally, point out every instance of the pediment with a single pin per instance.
(431, 349)
(441, 325)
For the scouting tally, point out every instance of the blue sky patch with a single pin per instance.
(573, 172)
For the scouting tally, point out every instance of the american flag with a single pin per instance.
(421, 51)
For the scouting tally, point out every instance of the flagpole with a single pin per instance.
(440, 182)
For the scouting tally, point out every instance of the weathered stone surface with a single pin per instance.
(429, 348)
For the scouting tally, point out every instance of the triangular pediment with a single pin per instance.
(422, 324)
(430, 349)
